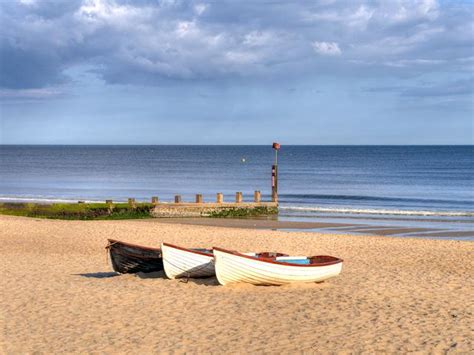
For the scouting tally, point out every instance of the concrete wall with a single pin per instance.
(215, 209)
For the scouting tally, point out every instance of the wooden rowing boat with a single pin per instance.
(183, 262)
(234, 267)
(131, 258)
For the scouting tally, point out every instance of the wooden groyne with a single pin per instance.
(131, 209)
(218, 208)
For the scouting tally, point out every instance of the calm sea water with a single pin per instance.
(314, 181)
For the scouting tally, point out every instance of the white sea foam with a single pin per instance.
(317, 209)
(43, 200)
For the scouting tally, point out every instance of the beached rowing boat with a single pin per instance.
(194, 263)
(130, 258)
(233, 267)
(183, 262)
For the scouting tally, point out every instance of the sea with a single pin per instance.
(418, 187)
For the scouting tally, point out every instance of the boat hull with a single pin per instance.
(181, 262)
(129, 258)
(233, 267)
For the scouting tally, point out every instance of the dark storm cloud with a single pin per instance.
(151, 42)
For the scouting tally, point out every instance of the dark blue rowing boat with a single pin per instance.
(130, 258)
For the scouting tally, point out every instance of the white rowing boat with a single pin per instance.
(183, 262)
(234, 267)
(195, 263)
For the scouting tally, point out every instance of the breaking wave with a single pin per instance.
(317, 209)
(44, 200)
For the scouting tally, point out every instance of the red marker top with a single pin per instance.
(276, 146)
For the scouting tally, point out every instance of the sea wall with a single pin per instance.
(242, 209)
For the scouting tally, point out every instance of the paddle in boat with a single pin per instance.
(234, 267)
(130, 258)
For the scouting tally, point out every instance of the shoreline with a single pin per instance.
(261, 215)
(353, 229)
(59, 293)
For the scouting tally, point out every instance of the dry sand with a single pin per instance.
(394, 295)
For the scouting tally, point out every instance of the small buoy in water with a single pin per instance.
(242, 160)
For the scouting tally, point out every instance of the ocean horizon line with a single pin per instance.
(227, 145)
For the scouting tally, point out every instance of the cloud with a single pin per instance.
(450, 88)
(38, 94)
(200, 8)
(382, 13)
(147, 42)
(27, 2)
(326, 48)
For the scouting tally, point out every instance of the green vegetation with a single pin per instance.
(236, 212)
(94, 211)
(85, 211)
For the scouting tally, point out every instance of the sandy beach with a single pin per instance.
(58, 294)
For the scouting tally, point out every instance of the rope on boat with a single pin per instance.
(107, 248)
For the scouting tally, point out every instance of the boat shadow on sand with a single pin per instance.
(205, 281)
(209, 281)
(99, 275)
(141, 275)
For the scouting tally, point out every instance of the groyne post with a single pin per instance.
(257, 197)
(238, 197)
(198, 198)
(219, 197)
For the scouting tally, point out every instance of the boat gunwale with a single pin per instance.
(210, 254)
(327, 263)
(114, 241)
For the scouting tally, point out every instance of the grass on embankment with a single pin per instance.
(236, 212)
(86, 211)
(94, 211)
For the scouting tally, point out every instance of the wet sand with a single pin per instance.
(323, 227)
(58, 294)
(250, 223)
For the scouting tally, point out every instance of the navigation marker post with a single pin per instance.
(276, 147)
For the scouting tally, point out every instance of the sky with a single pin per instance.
(236, 72)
